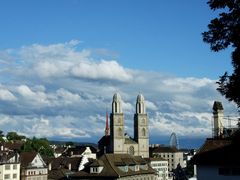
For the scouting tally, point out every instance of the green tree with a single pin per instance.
(41, 146)
(1, 136)
(224, 32)
(13, 136)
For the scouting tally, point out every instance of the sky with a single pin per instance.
(61, 61)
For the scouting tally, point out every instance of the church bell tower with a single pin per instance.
(141, 134)
(116, 125)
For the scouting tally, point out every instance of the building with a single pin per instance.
(79, 151)
(58, 151)
(161, 166)
(61, 167)
(121, 143)
(171, 154)
(117, 166)
(104, 142)
(219, 159)
(33, 167)
(217, 119)
(9, 165)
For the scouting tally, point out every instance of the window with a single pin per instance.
(143, 132)
(7, 167)
(14, 166)
(7, 176)
(14, 176)
(119, 132)
(131, 150)
(115, 104)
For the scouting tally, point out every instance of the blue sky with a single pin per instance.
(157, 35)
(62, 61)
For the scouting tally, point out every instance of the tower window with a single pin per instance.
(115, 104)
(143, 132)
(119, 132)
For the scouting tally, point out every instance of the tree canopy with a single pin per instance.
(41, 146)
(13, 136)
(224, 32)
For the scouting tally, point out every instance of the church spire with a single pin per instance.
(106, 127)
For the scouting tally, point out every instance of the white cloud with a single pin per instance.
(61, 91)
(102, 70)
(63, 60)
(32, 97)
(151, 105)
(67, 97)
(6, 95)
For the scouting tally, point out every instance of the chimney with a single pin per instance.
(69, 166)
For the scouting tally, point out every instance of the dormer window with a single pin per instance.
(134, 167)
(96, 169)
(123, 168)
(144, 166)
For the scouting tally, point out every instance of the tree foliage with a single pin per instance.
(224, 32)
(1, 136)
(13, 136)
(41, 146)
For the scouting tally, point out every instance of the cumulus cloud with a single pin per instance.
(6, 95)
(63, 60)
(102, 70)
(59, 90)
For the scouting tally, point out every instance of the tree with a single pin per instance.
(224, 32)
(13, 136)
(38, 145)
(1, 136)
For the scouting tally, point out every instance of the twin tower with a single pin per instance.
(119, 142)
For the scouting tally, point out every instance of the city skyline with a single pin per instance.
(61, 63)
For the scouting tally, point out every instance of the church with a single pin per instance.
(117, 142)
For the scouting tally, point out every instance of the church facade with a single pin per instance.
(119, 142)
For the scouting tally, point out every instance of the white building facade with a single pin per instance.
(10, 169)
(161, 166)
(172, 155)
(33, 167)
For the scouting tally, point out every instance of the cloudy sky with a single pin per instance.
(62, 61)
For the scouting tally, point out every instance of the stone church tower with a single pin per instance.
(141, 135)
(116, 125)
(119, 143)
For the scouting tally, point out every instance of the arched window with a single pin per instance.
(119, 132)
(115, 104)
(143, 132)
(131, 150)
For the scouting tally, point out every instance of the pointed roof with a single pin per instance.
(106, 127)
(116, 97)
(140, 98)
(27, 157)
(217, 105)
